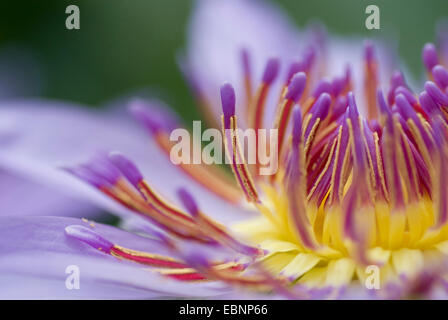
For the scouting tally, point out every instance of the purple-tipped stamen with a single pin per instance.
(323, 86)
(295, 67)
(127, 168)
(228, 103)
(339, 107)
(440, 75)
(139, 112)
(429, 56)
(407, 94)
(352, 107)
(382, 105)
(321, 106)
(86, 174)
(188, 202)
(427, 103)
(271, 70)
(374, 126)
(296, 87)
(338, 85)
(396, 80)
(309, 56)
(155, 119)
(436, 94)
(245, 61)
(369, 51)
(319, 111)
(90, 237)
(405, 109)
(102, 166)
(408, 112)
(297, 126)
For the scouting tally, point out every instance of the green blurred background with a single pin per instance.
(124, 46)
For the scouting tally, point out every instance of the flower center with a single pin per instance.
(397, 242)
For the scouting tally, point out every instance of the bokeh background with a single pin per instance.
(126, 46)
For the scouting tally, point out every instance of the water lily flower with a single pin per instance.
(358, 207)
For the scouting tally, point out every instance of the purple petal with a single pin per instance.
(20, 196)
(228, 103)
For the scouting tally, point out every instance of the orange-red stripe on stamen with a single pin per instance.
(192, 275)
(239, 165)
(232, 146)
(145, 258)
(318, 113)
(157, 201)
(370, 80)
(174, 224)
